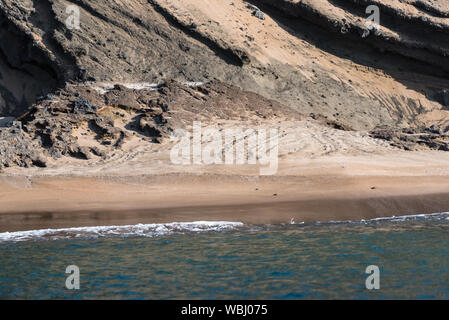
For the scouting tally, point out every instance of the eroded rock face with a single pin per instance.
(25, 72)
(315, 56)
(410, 28)
(117, 42)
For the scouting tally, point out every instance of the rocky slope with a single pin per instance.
(313, 57)
(83, 123)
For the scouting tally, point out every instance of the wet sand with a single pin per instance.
(62, 202)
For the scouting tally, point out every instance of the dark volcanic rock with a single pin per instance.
(19, 149)
(444, 96)
(83, 106)
(414, 139)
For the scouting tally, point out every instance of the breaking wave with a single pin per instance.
(145, 230)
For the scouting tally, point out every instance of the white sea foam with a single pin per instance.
(163, 229)
(442, 215)
(146, 230)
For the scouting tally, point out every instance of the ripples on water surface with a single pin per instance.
(232, 261)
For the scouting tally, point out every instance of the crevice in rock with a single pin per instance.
(430, 10)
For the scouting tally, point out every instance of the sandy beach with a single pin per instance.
(325, 189)
(362, 116)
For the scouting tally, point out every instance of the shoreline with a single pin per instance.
(67, 202)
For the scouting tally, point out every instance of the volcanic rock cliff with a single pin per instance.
(311, 57)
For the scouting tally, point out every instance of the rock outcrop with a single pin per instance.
(83, 123)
